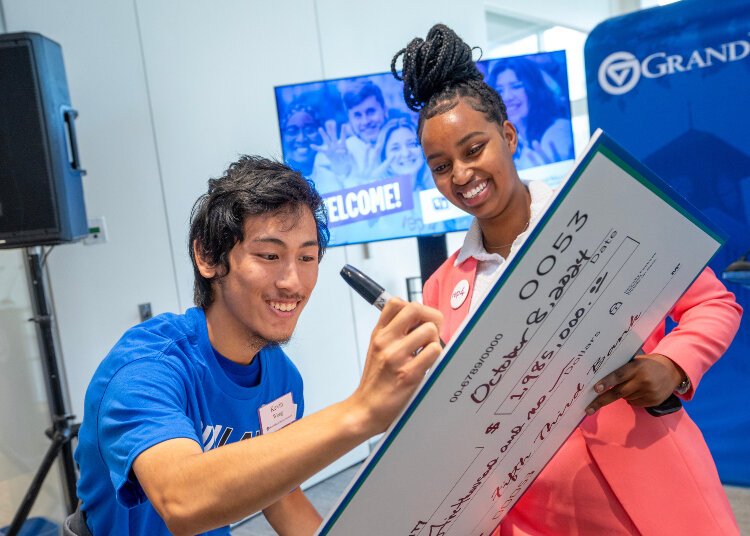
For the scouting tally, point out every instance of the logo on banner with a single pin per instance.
(621, 71)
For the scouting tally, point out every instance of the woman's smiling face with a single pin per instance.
(513, 93)
(471, 159)
(403, 147)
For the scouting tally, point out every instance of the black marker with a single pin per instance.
(373, 293)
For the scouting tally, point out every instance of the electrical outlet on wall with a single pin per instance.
(97, 232)
(144, 310)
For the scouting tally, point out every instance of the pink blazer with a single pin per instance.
(660, 469)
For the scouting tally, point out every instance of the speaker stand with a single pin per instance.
(62, 431)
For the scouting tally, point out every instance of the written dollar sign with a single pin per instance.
(492, 428)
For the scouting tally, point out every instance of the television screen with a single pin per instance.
(356, 140)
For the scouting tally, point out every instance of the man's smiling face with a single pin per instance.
(272, 273)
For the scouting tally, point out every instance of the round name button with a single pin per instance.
(459, 294)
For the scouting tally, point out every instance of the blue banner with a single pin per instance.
(672, 85)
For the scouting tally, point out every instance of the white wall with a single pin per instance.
(96, 289)
(582, 15)
(170, 92)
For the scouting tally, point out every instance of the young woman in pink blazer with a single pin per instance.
(622, 471)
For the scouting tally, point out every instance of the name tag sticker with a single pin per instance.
(277, 414)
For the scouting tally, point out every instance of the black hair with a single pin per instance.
(250, 186)
(296, 107)
(439, 70)
(359, 93)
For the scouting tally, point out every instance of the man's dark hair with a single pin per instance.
(353, 97)
(250, 186)
(438, 70)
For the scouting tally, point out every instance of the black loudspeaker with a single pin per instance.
(41, 195)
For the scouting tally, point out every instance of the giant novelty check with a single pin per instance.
(599, 271)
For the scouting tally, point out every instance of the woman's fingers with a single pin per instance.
(647, 380)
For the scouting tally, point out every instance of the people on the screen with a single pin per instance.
(401, 151)
(402, 156)
(365, 108)
(300, 134)
(349, 155)
(544, 132)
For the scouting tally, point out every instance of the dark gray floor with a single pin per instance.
(739, 498)
(325, 494)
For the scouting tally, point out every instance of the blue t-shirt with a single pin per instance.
(244, 375)
(161, 381)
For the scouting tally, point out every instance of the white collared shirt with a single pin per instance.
(489, 265)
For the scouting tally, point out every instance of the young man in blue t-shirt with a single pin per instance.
(161, 445)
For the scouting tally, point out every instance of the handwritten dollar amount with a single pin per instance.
(529, 289)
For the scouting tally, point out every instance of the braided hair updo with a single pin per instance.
(437, 71)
